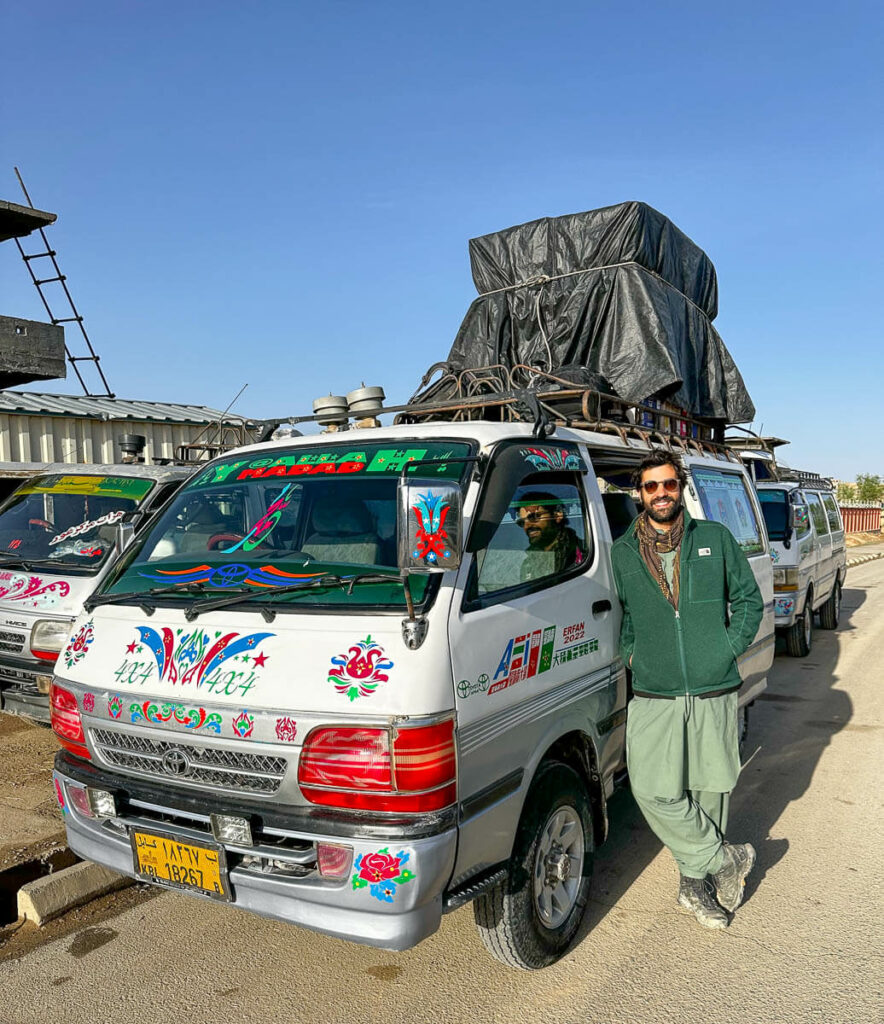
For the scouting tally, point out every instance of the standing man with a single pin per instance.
(675, 576)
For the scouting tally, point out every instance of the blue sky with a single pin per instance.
(281, 194)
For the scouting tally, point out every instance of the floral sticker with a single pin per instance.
(382, 873)
(431, 537)
(59, 795)
(286, 729)
(359, 672)
(78, 645)
(193, 718)
(115, 707)
(243, 724)
(88, 701)
(32, 591)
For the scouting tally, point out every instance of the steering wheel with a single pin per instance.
(217, 539)
(43, 523)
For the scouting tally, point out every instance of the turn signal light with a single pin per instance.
(66, 722)
(365, 769)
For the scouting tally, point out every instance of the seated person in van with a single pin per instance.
(553, 546)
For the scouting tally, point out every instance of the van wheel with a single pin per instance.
(529, 920)
(830, 612)
(799, 636)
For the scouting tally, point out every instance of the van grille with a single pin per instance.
(230, 770)
(13, 642)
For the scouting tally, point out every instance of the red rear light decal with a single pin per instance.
(45, 655)
(66, 722)
(360, 671)
(361, 769)
(382, 873)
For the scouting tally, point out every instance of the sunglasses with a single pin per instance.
(532, 517)
(670, 485)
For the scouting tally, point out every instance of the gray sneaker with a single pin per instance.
(730, 879)
(695, 895)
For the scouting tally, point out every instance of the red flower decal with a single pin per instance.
(375, 867)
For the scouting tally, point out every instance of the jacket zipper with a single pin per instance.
(680, 639)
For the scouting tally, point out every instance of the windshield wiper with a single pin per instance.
(10, 559)
(326, 580)
(144, 598)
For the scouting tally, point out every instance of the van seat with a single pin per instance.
(621, 510)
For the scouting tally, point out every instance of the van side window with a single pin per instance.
(818, 515)
(725, 499)
(542, 536)
(833, 513)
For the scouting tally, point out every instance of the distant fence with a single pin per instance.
(861, 518)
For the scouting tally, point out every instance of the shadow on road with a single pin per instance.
(791, 724)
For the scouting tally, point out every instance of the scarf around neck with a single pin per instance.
(652, 542)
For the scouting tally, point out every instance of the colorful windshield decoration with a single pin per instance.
(78, 645)
(431, 537)
(93, 524)
(359, 672)
(552, 458)
(115, 706)
(243, 724)
(232, 574)
(32, 591)
(190, 718)
(263, 528)
(382, 873)
(192, 657)
(286, 729)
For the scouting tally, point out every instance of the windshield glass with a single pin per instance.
(775, 509)
(67, 521)
(289, 516)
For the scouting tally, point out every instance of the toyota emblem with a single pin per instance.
(175, 762)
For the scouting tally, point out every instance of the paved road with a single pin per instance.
(805, 947)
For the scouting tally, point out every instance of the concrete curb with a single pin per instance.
(864, 558)
(49, 897)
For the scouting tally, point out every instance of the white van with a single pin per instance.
(57, 542)
(809, 555)
(364, 698)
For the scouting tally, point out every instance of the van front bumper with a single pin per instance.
(391, 896)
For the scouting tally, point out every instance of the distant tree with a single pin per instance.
(869, 487)
(846, 492)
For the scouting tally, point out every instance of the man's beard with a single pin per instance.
(667, 514)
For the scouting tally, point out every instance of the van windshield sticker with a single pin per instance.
(108, 486)
(724, 500)
(552, 458)
(339, 462)
(231, 574)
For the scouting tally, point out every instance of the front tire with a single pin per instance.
(530, 920)
(830, 613)
(799, 636)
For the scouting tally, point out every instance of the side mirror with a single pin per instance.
(429, 525)
(125, 534)
(800, 520)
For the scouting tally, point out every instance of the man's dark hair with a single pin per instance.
(658, 458)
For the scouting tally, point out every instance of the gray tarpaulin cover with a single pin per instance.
(619, 292)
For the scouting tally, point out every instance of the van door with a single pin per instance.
(722, 493)
(836, 529)
(534, 639)
(825, 569)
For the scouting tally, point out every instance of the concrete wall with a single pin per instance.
(30, 350)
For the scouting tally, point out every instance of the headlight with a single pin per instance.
(785, 579)
(49, 636)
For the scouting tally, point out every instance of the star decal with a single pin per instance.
(131, 647)
(259, 660)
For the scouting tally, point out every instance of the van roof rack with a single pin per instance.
(806, 478)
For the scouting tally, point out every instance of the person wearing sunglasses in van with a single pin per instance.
(676, 577)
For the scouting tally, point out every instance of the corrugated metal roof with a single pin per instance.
(31, 403)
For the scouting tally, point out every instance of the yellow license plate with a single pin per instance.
(194, 865)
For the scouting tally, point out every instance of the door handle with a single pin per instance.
(600, 607)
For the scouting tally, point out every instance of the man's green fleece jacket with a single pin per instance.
(693, 650)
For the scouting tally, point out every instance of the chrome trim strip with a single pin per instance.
(476, 734)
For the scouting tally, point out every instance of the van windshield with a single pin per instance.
(57, 520)
(775, 509)
(290, 517)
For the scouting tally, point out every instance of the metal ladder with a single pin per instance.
(61, 279)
